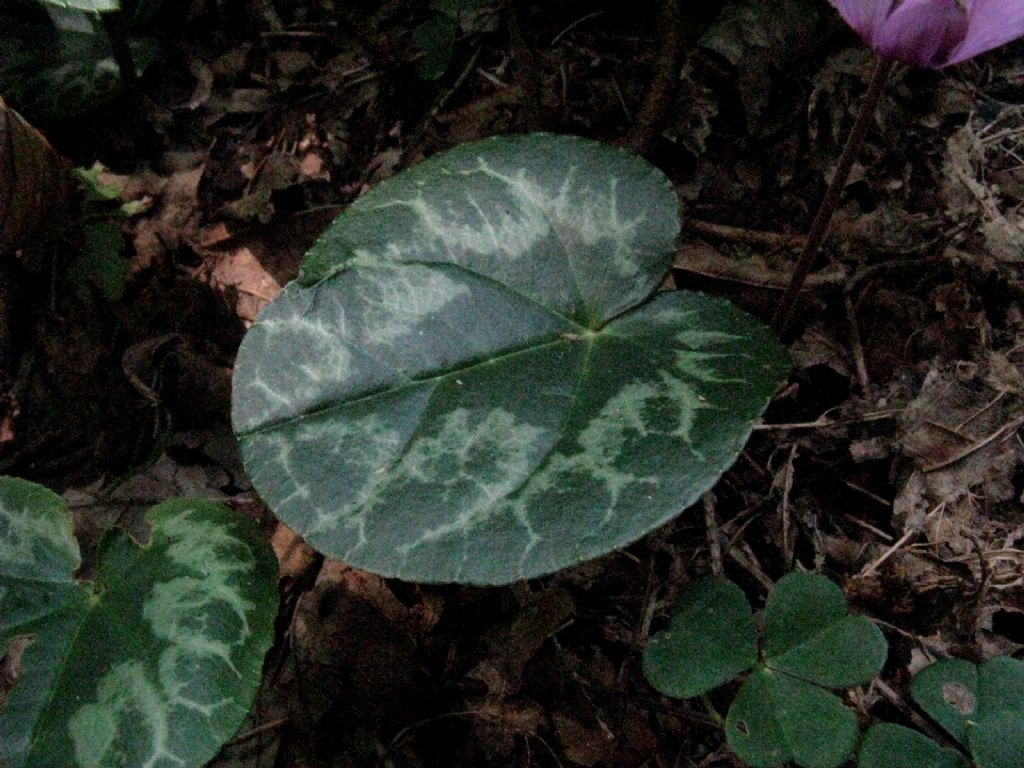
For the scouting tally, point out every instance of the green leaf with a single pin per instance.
(776, 718)
(54, 74)
(810, 634)
(712, 638)
(982, 707)
(435, 38)
(997, 737)
(472, 16)
(96, 187)
(948, 691)
(102, 261)
(92, 6)
(893, 746)
(461, 386)
(157, 661)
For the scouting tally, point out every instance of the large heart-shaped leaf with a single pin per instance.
(469, 383)
(157, 661)
(712, 639)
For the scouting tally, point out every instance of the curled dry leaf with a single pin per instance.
(33, 179)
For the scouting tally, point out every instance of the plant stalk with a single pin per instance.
(822, 219)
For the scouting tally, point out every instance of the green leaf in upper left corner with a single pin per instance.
(157, 661)
(712, 638)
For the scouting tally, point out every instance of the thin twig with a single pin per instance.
(664, 76)
(714, 545)
(273, 725)
(787, 489)
(774, 240)
(571, 27)
(822, 422)
(856, 346)
(1005, 431)
(871, 568)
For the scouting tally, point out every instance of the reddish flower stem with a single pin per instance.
(819, 227)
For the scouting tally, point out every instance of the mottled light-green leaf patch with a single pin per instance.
(471, 381)
(157, 661)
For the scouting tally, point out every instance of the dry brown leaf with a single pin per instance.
(33, 180)
(240, 270)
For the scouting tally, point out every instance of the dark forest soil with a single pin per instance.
(891, 461)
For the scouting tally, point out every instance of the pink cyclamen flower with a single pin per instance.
(934, 33)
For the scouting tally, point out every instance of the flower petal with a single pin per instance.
(923, 32)
(865, 16)
(993, 23)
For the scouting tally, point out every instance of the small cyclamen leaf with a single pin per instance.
(776, 718)
(893, 746)
(712, 638)
(810, 634)
(157, 662)
(462, 386)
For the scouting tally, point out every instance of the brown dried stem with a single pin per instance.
(822, 219)
(664, 76)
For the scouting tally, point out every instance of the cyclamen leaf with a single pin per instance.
(893, 746)
(464, 383)
(92, 6)
(810, 634)
(157, 661)
(712, 639)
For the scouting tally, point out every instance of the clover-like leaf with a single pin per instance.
(982, 707)
(469, 381)
(157, 661)
(783, 711)
(892, 746)
(776, 718)
(712, 638)
(810, 634)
